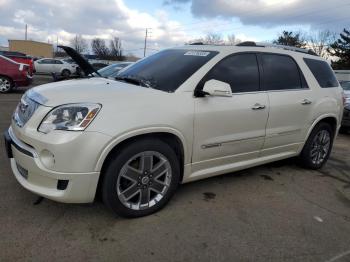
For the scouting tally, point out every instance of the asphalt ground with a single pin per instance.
(275, 212)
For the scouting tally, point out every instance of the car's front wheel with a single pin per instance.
(141, 178)
(66, 73)
(318, 146)
(6, 84)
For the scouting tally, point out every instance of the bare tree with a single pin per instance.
(99, 48)
(116, 48)
(79, 44)
(320, 41)
(213, 39)
(232, 40)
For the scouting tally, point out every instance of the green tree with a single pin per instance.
(290, 39)
(341, 49)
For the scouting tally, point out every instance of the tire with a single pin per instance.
(132, 189)
(6, 84)
(65, 73)
(318, 147)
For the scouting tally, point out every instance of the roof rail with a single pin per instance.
(285, 47)
(197, 43)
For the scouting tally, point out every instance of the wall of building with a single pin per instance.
(32, 48)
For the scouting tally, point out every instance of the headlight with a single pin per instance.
(71, 117)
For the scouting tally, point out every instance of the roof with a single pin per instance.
(259, 47)
(29, 41)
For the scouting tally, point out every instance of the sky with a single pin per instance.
(170, 22)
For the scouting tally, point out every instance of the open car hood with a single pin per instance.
(79, 59)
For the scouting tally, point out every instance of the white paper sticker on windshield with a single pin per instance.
(197, 53)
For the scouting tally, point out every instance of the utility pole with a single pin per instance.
(146, 36)
(26, 31)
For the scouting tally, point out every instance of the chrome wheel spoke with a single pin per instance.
(145, 196)
(158, 186)
(147, 162)
(130, 191)
(159, 169)
(132, 173)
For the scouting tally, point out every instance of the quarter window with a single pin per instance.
(239, 71)
(323, 73)
(280, 72)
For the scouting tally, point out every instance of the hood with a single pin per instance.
(89, 90)
(79, 60)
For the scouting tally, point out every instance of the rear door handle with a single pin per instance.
(306, 102)
(258, 106)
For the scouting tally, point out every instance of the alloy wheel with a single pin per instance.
(320, 147)
(5, 85)
(144, 180)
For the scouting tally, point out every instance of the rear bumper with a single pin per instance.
(32, 175)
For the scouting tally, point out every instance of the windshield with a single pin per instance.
(345, 85)
(112, 70)
(168, 69)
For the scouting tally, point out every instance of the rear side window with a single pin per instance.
(280, 72)
(240, 71)
(323, 72)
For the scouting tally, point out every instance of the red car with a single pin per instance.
(13, 74)
(20, 58)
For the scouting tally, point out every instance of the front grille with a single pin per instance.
(25, 110)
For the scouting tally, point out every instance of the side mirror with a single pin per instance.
(217, 88)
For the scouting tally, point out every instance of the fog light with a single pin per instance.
(62, 184)
(47, 158)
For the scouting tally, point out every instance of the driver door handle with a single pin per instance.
(258, 106)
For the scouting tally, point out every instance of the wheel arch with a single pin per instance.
(66, 69)
(10, 78)
(331, 119)
(170, 136)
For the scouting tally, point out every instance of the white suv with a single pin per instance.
(177, 116)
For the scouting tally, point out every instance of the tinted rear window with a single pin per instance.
(323, 72)
(280, 72)
(168, 69)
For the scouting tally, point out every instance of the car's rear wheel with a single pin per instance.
(66, 73)
(318, 147)
(6, 84)
(141, 178)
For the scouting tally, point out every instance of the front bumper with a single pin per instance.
(35, 177)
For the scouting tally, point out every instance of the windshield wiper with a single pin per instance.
(136, 80)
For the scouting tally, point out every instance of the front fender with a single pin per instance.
(143, 131)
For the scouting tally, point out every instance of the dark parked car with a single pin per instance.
(13, 74)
